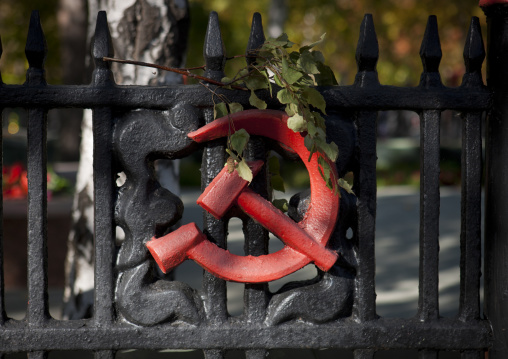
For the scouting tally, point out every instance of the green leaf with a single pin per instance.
(235, 107)
(345, 184)
(239, 140)
(278, 81)
(226, 80)
(285, 64)
(256, 101)
(326, 77)
(291, 76)
(277, 183)
(283, 37)
(291, 109)
(294, 56)
(281, 204)
(308, 141)
(308, 63)
(318, 56)
(320, 121)
(310, 46)
(325, 170)
(285, 97)
(220, 110)
(297, 123)
(274, 165)
(314, 98)
(329, 149)
(311, 128)
(265, 74)
(256, 83)
(281, 42)
(242, 72)
(244, 171)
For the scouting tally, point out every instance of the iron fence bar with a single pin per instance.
(383, 97)
(496, 172)
(214, 289)
(428, 303)
(38, 308)
(103, 180)
(366, 189)
(367, 53)
(428, 298)
(470, 238)
(470, 272)
(256, 237)
(444, 334)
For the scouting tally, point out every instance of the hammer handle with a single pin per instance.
(271, 218)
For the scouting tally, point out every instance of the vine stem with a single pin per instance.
(185, 72)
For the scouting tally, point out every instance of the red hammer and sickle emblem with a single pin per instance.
(305, 241)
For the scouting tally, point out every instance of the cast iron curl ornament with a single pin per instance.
(305, 241)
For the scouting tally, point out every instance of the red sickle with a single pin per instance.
(319, 221)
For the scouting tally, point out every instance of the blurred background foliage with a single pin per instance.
(400, 25)
(14, 19)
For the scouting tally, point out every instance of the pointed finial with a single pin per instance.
(36, 47)
(213, 50)
(102, 46)
(257, 36)
(35, 51)
(474, 54)
(367, 53)
(430, 51)
(367, 50)
(474, 50)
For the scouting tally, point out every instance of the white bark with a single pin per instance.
(142, 30)
(277, 17)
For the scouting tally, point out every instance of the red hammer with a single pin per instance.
(225, 191)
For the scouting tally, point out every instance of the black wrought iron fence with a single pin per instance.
(135, 125)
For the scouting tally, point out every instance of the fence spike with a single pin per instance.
(36, 47)
(213, 50)
(367, 50)
(430, 51)
(474, 50)
(257, 36)
(35, 51)
(102, 46)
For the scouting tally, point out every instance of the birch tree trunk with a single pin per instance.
(277, 17)
(152, 31)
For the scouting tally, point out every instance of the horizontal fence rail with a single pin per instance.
(361, 330)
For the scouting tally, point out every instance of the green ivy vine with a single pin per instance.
(291, 76)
